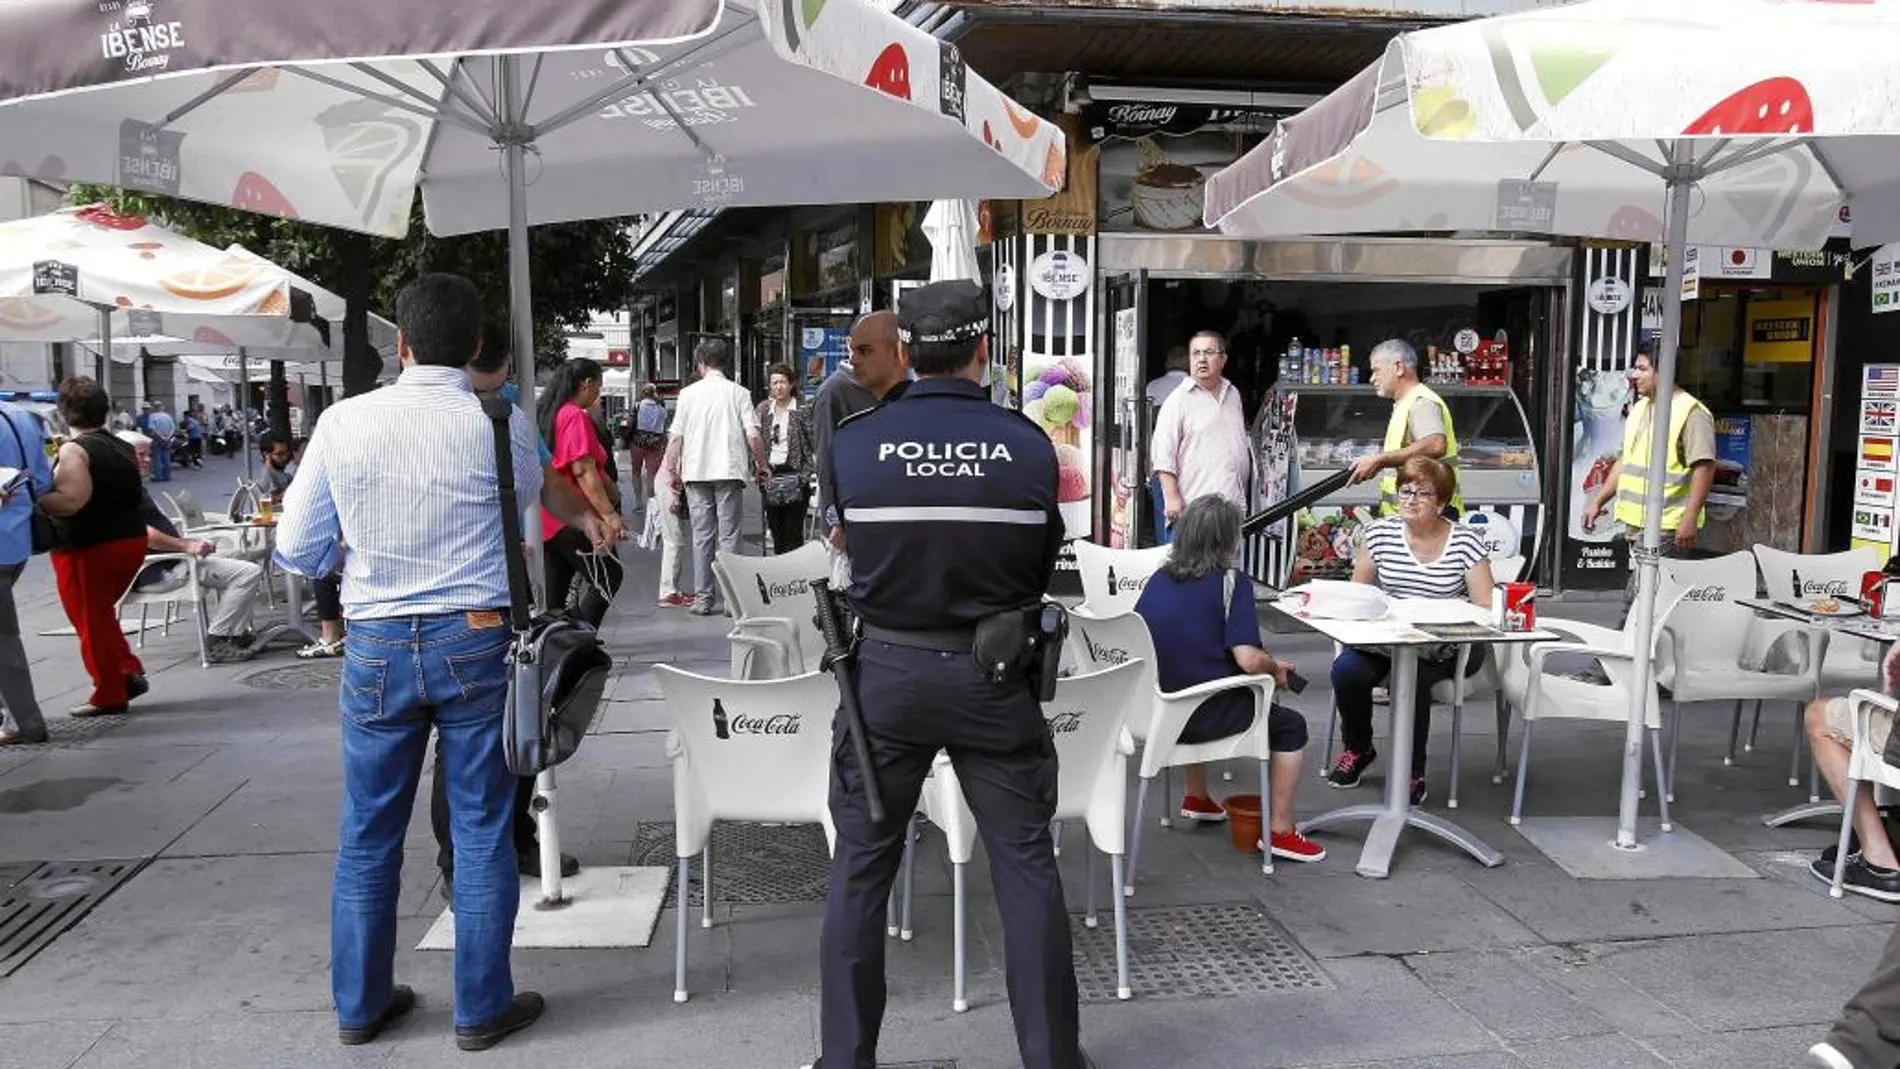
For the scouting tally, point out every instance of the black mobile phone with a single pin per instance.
(1295, 682)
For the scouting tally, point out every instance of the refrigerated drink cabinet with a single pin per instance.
(1306, 433)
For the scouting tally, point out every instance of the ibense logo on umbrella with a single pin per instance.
(138, 36)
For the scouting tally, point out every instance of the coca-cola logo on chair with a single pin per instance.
(1065, 723)
(726, 726)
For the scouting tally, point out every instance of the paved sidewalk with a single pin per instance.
(219, 796)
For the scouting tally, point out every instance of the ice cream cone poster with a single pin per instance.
(1059, 395)
(1156, 158)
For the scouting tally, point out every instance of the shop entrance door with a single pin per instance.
(1123, 409)
(1528, 316)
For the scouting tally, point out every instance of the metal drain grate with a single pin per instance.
(66, 731)
(1186, 952)
(313, 675)
(751, 862)
(13, 872)
(50, 900)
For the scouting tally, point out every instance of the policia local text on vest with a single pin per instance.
(1420, 425)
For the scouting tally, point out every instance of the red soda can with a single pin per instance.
(1520, 606)
(1873, 593)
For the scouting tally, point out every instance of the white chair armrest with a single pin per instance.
(1263, 683)
(1590, 634)
(1542, 652)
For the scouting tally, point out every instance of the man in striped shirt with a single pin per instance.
(406, 477)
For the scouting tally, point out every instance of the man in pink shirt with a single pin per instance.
(1200, 441)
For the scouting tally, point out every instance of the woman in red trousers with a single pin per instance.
(99, 542)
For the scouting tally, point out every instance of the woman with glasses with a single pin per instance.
(788, 445)
(1416, 554)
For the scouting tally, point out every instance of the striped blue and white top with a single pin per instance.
(1400, 572)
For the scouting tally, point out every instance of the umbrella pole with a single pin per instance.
(1648, 574)
(101, 357)
(521, 319)
(244, 412)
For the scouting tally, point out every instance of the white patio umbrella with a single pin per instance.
(951, 227)
(89, 274)
(1730, 122)
(595, 108)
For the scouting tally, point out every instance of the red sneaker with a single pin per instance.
(1204, 810)
(675, 601)
(1296, 847)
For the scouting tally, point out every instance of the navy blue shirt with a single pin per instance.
(1192, 631)
(948, 504)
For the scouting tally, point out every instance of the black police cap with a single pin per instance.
(943, 312)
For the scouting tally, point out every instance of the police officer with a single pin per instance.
(921, 483)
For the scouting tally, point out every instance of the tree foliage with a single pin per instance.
(576, 269)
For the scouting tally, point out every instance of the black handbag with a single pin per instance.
(783, 490)
(39, 524)
(557, 666)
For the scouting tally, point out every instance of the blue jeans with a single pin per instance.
(1357, 671)
(402, 676)
(161, 461)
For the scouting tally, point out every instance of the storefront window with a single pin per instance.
(1747, 349)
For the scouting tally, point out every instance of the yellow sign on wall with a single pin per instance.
(1780, 332)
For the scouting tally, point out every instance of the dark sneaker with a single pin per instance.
(1861, 878)
(524, 1011)
(137, 686)
(1202, 810)
(1351, 765)
(226, 650)
(1418, 790)
(401, 1000)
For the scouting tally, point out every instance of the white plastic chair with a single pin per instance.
(1168, 713)
(742, 750)
(774, 633)
(1703, 649)
(1088, 722)
(1849, 662)
(1864, 764)
(186, 592)
(1538, 695)
(1112, 579)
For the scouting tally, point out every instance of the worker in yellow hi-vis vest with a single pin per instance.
(1686, 479)
(1420, 425)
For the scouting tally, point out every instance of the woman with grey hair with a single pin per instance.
(1202, 632)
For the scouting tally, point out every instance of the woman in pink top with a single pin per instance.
(580, 456)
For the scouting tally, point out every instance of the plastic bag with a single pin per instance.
(1331, 599)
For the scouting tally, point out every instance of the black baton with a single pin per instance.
(841, 660)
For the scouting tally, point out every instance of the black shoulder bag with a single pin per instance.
(557, 666)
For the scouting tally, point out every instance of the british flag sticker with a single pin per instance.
(1879, 417)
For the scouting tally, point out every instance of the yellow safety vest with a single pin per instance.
(1632, 483)
(1395, 431)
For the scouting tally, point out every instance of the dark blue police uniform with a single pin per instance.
(949, 511)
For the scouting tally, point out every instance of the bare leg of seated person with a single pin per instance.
(1872, 870)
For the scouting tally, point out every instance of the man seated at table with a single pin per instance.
(1872, 870)
(231, 584)
(1416, 554)
(1202, 632)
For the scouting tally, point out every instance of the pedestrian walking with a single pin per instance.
(98, 543)
(161, 428)
(1688, 472)
(714, 449)
(22, 448)
(1200, 438)
(580, 457)
(406, 477)
(1420, 426)
(787, 430)
(919, 685)
(646, 442)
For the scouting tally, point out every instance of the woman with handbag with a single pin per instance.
(98, 543)
(788, 439)
(579, 457)
(646, 441)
